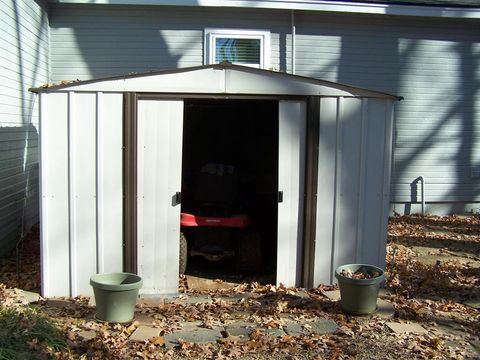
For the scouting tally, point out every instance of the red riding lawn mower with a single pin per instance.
(216, 229)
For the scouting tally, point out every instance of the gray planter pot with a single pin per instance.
(359, 296)
(115, 296)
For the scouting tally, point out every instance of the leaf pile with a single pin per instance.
(21, 269)
(359, 274)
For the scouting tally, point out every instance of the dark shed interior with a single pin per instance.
(242, 134)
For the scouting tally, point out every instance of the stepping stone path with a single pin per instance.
(143, 333)
(324, 327)
(403, 328)
(87, 334)
(29, 297)
(192, 331)
(194, 335)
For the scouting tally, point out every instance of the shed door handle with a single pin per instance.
(178, 198)
(280, 196)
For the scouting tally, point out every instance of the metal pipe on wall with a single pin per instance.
(422, 181)
(293, 41)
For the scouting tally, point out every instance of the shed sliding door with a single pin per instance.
(159, 168)
(291, 178)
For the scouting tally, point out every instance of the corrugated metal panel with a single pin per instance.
(353, 183)
(160, 128)
(81, 177)
(146, 38)
(109, 182)
(326, 191)
(291, 180)
(55, 228)
(433, 65)
(24, 63)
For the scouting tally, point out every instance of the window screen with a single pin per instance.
(237, 50)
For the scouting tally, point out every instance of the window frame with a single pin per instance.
(211, 34)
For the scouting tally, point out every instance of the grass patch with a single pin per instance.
(27, 334)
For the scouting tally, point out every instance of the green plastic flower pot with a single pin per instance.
(115, 296)
(359, 296)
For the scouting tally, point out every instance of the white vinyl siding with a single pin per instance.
(24, 63)
(432, 63)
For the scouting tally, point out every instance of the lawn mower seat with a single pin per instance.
(217, 186)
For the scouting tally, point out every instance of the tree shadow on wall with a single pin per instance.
(18, 136)
(388, 60)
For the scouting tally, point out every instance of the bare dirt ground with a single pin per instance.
(433, 280)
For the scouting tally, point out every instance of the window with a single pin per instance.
(242, 47)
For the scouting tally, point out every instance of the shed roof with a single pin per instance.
(217, 79)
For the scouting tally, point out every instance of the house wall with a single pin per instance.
(109, 41)
(432, 62)
(24, 59)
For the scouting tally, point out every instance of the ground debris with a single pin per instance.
(431, 274)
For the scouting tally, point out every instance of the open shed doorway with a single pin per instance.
(230, 168)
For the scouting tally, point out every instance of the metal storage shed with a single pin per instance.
(111, 164)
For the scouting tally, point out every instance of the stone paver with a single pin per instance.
(195, 335)
(402, 328)
(275, 332)
(385, 309)
(333, 295)
(29, 297)
(294, 329)
(87, 334)
(196, 299)
(191, 324)
(143, 333)
(240, 328)
(323, 326)
(236, 297)
(302, 294)
(144, 319)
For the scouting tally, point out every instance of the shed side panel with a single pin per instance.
(349, 128)
(324, 238)
(374, 225)
(83, 192)
(109, 182)
(55, 246)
